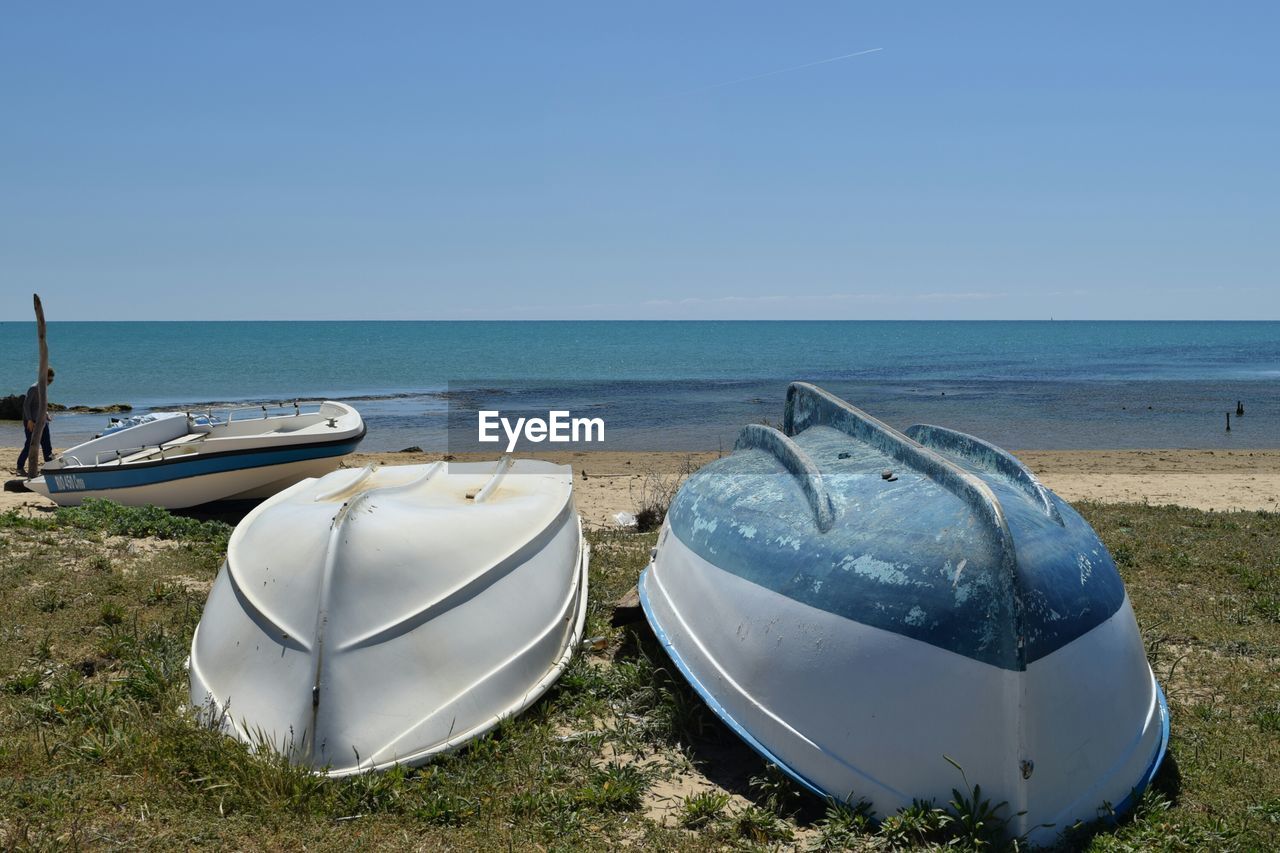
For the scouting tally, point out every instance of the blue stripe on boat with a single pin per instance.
(1129, 802)
(102, 479)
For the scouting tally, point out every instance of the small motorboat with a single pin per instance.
(381, 616)
(181, 459)
(865, 607)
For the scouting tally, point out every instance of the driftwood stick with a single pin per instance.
(42, 388)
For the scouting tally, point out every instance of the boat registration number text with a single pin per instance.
(68, 482)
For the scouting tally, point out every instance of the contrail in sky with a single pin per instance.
(779, 71)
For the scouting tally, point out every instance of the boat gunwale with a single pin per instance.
(119, 464)
(187, 458)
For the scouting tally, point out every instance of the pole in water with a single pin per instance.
(1239, 409)
(1228, 422)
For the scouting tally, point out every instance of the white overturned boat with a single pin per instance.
(864, 607)
(186, 458)
(381, 616)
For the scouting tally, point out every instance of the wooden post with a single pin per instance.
(42, 396)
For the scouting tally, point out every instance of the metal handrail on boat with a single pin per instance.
(265, 408)
(97, 457)
(122, 452)
(119, 454)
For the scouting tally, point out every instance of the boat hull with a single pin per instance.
(412, 609)
(191, 481)
(855, 712)
(893, 616)
(178, 460)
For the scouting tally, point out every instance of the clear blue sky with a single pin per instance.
(412, 160)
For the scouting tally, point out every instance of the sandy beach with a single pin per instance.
(609, 482)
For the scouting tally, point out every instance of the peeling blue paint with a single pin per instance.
(1086, 569)
(1013, 584)
(865, 564)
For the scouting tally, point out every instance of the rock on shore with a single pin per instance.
(11, 408)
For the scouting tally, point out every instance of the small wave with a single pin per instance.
(468, 393)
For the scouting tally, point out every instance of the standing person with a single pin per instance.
(29, 417)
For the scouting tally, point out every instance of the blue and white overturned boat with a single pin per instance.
(861, 605)
(187, 458)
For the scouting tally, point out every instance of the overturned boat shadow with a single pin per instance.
(229, 512)
(715, 751)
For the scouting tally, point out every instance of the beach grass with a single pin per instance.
(97, 748)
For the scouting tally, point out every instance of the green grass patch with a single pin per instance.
(98, 749)
(116, 520)
(11, 519)
(702, 809)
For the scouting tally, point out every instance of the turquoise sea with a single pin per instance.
(686, 385)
